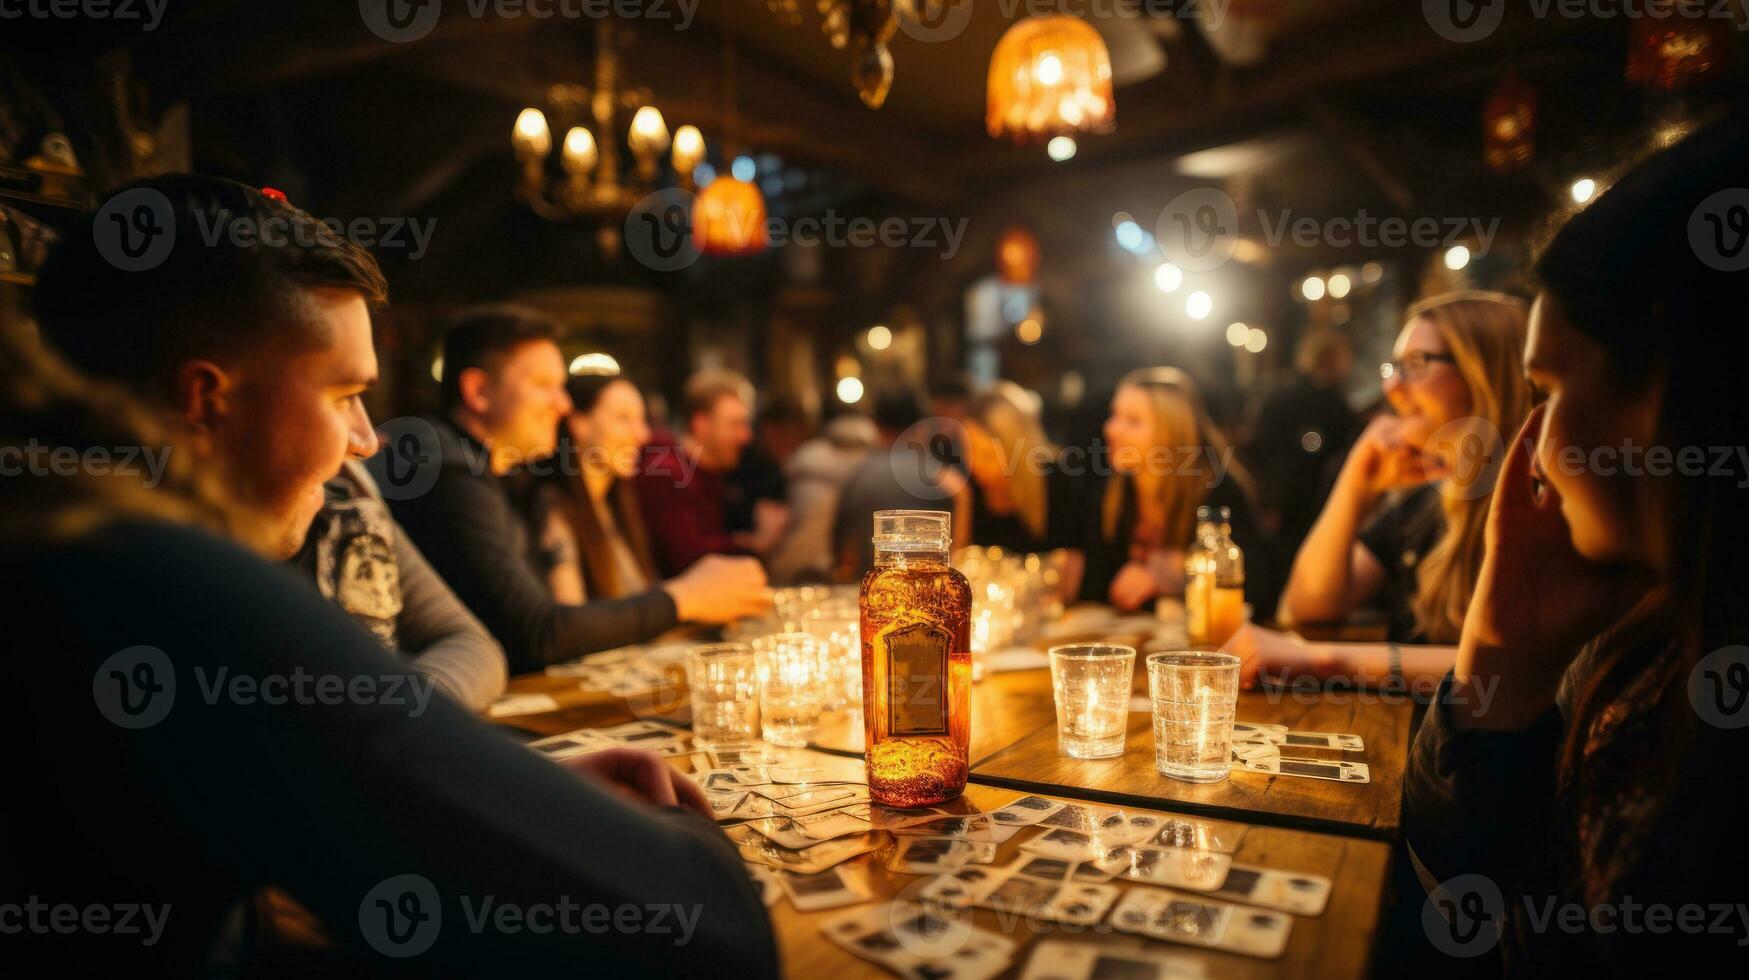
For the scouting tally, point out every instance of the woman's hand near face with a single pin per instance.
(1132, 585)
(1388, 456)
(1536, 601)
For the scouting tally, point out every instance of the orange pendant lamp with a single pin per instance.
(729, 218)
(1050, 76)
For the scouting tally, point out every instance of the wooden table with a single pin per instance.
(1337, 944)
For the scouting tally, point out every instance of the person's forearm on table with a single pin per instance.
(1423, 665)
(1318, 589)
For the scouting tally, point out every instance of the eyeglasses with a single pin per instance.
(1413, 365)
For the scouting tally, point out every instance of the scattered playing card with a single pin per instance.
(1343, 772)
(1039, 898)
(1068, 845)
(512, 705)
(1026, 811)
(1198, 921)
(1288, 891)
(1174, 867)
(916, 941)
(758, 848)
(1061, 959)
(1302, 740)
(1207, 835)
(805, 831)
(975, 827)
(937, 855)
(828, 889)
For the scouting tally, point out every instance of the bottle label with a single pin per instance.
(917, 680)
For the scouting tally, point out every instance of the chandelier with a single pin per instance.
(865, 27)
(592, 179)
(1050, 76)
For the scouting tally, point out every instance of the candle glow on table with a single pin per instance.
(1194, 696)
(792, 688)
(1091, 683)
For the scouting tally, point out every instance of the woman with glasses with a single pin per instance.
(1426, 470)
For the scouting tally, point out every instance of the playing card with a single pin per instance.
(749, 754)
(512, 705)
(1288, 891)
(1060, 959)
(895, 818)
(1243, 730)
(816, 801)
(765, 881)
(569, 744)
(1197, 921)
(1068, 845)
(1174, 867)
(1343, 772)
(799, 832)
(975, 827)
(1308, 740)
(958, 889)
(915, 941)
(824, 771)
(937, 855)
(1255, 751)
(1026, 811)
(828, 889)
(1038, 898)
(760, 849)
(1208, 835)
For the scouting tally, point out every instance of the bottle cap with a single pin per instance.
(913, 530)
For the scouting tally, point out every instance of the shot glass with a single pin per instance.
(1194, 694)
(723, 682)
(792, 687)
(1091, 682)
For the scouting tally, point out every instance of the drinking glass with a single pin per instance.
(1092, 686)
(835, 623)
(1195, 693)
(792, 687)
(723, 679)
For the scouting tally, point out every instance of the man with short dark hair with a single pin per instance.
(681, 484)
(260, 344)
(446, 480)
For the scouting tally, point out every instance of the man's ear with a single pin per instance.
(471, 383)
(203, 395)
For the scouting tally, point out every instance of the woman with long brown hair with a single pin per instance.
(1455, 387)
(1585, 753)
(1167, 459)
(595, 527)
(1018, 496)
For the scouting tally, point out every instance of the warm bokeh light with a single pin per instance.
(1312, 289)
(729, 218)
(1199, 305)
(1017, 256)
(1256, 340)
(1457, 258)
(1372, 272)
(649, 133)
(880, 337)
(1050, 76)
(1029, 330)
(688, 149)
(850, 390)
(1062, 148)
(580, 153)
(594, 364)
(531, 137)
(1168, 277)
(1340, 285)
(1583, 190)
(1236, 334)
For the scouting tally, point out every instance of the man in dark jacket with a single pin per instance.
(445, 479)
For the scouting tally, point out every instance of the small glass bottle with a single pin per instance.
(1214, 581)
(916, 662)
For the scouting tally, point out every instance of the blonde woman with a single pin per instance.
(1017, 489)
(1456, 385)
(1167, 459)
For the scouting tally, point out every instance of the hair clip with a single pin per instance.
(274, 193)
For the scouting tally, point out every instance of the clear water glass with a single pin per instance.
(1091, 682)
(723, 681)
(792, 687)
(1195, 694)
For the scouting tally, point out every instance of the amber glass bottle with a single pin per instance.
(916, 662)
